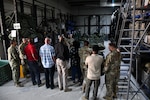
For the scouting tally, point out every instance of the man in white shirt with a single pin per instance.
(93, 63)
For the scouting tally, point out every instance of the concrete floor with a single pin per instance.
(29, 92)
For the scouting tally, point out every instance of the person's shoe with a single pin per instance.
(114, 96)
(84, 98)
(35, 83)
(19, 85)
(52, 87)
(67, 89)
(74, 81)
(47, 87)
(107, 98)
(60, 89)
(94, 98)
(27, 76)
(39, 85)
(19, 82)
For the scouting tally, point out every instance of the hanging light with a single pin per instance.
(113, 3)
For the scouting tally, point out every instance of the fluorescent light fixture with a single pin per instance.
(113, 4)
(94, 16)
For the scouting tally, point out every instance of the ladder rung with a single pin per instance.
(126, 59)
(141, 8)
(129, 38)
(127, 52)
(125, 65)
(125, 92)
(127, 46)
(144, 51)
(124, 68)
(123, 82)
(123, 87)
(138, 19)
(131, 30)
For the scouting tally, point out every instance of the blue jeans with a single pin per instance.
(76, 70)
(34, 71)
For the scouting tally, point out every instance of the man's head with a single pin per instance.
(86, 43)
(95, 49)
(24, 40)
(13, 42)
(47, 40)
(70, 36)
(112, 46)
(60, 38)
(29, 40)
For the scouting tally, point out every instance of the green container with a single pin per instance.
(5, 72)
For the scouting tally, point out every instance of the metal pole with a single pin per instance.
(2, 31)
(22, 6)
(137, 68)
(131, 54)
(98, 24)
(89, 25)
(16, 20)
(121, 33)
(118, 20)
(84, 25)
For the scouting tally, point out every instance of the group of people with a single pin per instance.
(86, 64)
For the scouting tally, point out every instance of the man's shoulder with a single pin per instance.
(114, 53)
(20, 45)
(89, 57)
(9, 48)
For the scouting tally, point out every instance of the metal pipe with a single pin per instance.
(16, 20)
(137, 68)
(118, 20)
(22, 6)
(121, 33)
(2, 32)
(89, 25)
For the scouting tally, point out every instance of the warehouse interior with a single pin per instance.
(123, 22)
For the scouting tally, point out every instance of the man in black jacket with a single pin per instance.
(62, 56)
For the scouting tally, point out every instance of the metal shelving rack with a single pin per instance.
(131, 50)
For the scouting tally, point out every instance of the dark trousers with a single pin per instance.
(34, 71)
(88, 85)
(76, 70)
(49, 76)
